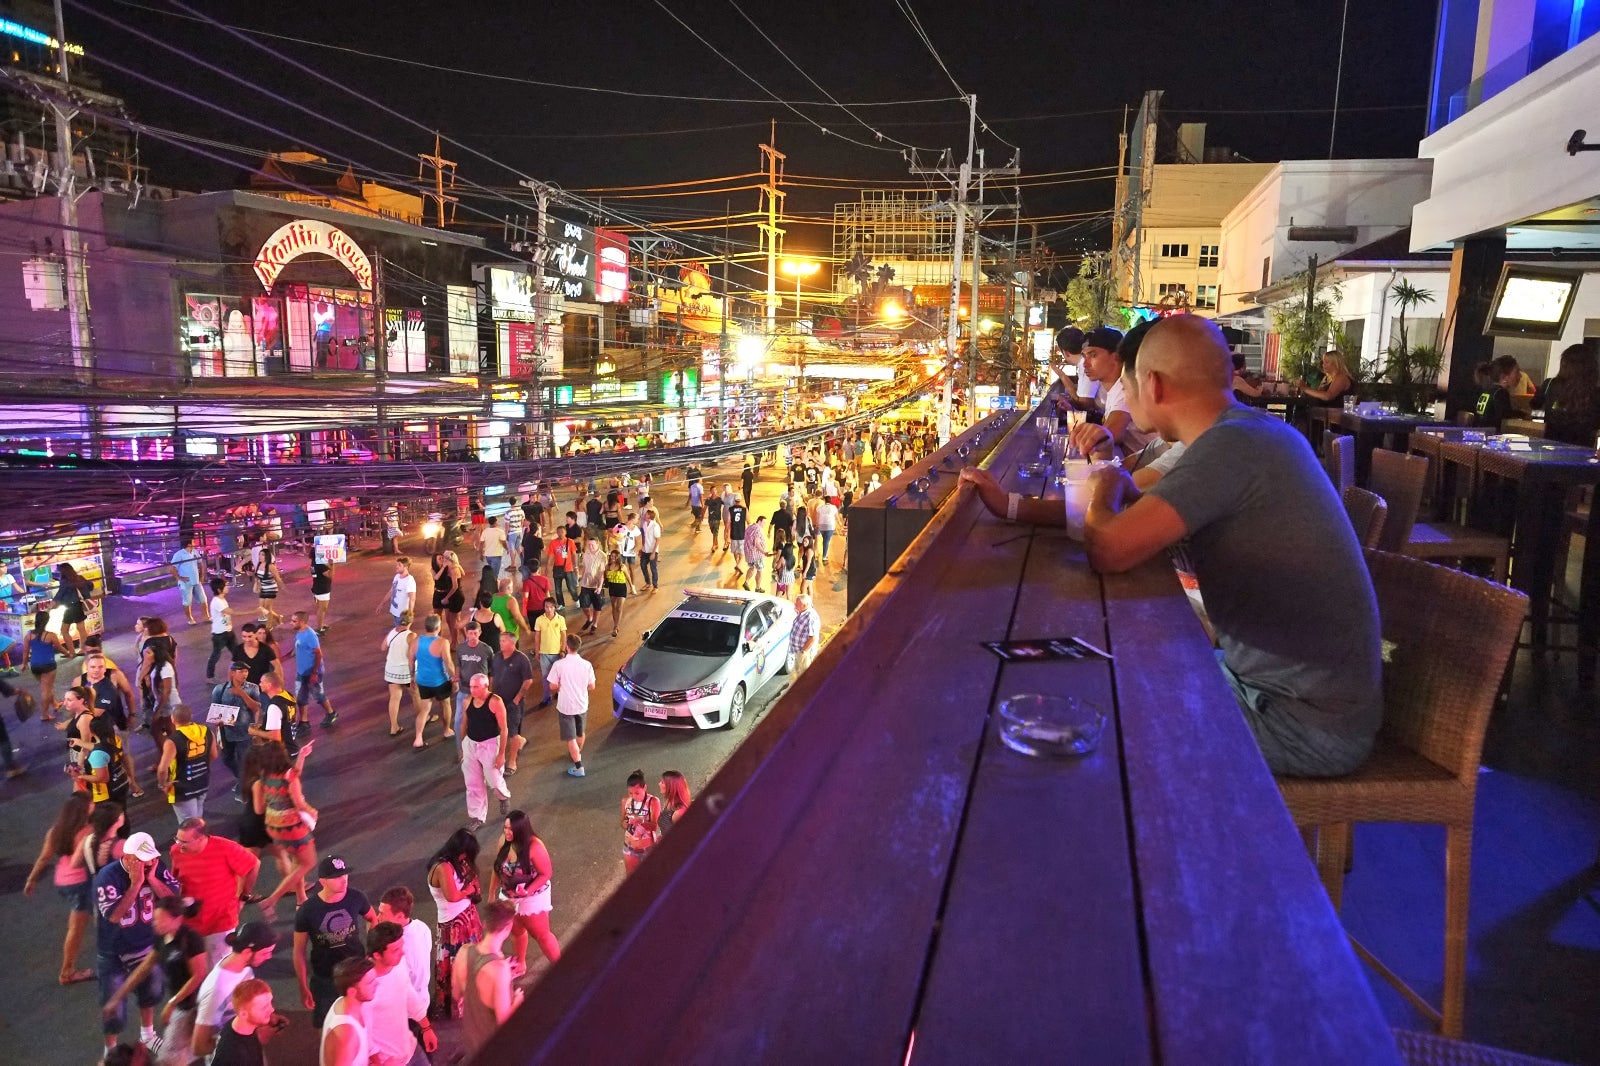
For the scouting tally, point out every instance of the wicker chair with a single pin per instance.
(1401, 481)
(1454, 539)
(1340, 462)
(1367, 513)
(1425, 1049)
(1439, 685)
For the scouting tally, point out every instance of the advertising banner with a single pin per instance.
(611, 255)
(522, 341)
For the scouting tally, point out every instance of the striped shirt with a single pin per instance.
(755, 542)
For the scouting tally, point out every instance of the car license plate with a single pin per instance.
(654, 712)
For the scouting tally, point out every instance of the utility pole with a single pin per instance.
(380, 352)
(439, 165)
(541, 309)
(75, 269)
(772, 196)
(962, 180)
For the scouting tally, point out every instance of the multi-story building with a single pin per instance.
(906, 231)
(1173, 257)
(1514, 173)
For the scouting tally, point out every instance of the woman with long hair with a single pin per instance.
(674, 798)
(1571, 399)
(618, 585)
(453, 882)
(276, 795)
(806, 570)
(641, 821)
(39, 648)
(108, 825)
(269, 582)
(252, 824)
(483, 613)
(1336, 379)
(521, 876)
(73, 592)
(399, 652)
(63, 852)
(448, 594)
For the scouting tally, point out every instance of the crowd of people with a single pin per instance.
(181, 933)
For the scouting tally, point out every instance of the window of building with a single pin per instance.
(1208, 255)
(1266, 271)
(232, 336)
(1169, 288)
(1174, 251)
(1205, 296)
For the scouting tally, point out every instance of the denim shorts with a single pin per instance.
(80, 895)
(309, 693)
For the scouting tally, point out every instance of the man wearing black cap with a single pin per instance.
(330, 926)
(249, 946)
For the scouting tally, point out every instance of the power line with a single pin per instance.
(927, 41)
(470, 72)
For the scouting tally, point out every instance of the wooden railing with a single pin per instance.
(874, 878)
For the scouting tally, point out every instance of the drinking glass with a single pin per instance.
(1053, 726)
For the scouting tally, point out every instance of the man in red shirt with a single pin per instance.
(218, 875)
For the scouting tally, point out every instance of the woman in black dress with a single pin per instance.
(73, 592)
(448, 595)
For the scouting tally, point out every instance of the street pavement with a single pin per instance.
(384, 806)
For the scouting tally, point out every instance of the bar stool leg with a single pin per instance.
(1457, 879)
(1332, 851)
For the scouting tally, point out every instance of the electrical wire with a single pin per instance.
(470, 72)
(927, 41)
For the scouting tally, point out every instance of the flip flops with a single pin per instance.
(76, 977)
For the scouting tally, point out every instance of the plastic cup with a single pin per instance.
(1050, 726)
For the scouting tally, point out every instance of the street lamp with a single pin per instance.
(799, 269)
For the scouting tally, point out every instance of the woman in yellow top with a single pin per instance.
(618, 586)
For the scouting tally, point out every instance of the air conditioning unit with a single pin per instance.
(44, 284)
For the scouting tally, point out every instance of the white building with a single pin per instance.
(1513, 82)
(1320, 207)
(1180, 232)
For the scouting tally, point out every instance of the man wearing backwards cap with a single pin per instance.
(125, 895)
(250, 945)
(329, 926)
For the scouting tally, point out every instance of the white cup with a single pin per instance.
(1075, 495)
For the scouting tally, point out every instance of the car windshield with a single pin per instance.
(695, 636)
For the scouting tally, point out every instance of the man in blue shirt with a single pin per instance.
(125, 894)
(308, 666)
(238, 692)
(185, 566)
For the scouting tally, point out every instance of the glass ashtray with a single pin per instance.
(1032, 469)
(1036, 724)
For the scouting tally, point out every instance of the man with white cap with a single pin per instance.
(125, 894)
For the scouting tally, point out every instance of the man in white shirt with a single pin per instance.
(650, 549)
(402, 595)
(514, 527)
(395, 1003)
(492, 546)
(572, 679)
(396, 905)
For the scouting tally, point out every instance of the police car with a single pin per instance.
(699, 667)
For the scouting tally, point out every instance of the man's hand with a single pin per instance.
(430, 1040)
(1087, 437)
(136, 872)
(166, 1014)
(989, 490)
(306, 999)
(1112, 487)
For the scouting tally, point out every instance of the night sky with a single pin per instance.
(1052, 78)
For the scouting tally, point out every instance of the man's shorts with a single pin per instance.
(436, 692)
(738, 551)
(513, 718)
(189, 591)
(309, 693)
(571, 726)
(589, 599)
(698, 512)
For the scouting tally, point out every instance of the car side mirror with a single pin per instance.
(748, 648)
(645, 635)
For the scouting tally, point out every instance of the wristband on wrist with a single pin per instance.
(1012, 500)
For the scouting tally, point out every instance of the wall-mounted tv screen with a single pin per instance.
(1532, 302)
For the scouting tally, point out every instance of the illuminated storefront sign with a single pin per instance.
(511, 295)
(850, 372)
(304, 237)
(691, 386)
(33, 36)
(523, 344)
(569, 259)
(611, 257)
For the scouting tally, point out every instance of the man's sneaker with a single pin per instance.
(330, 721)
(575, 771)
(475, 825)
(505, 806)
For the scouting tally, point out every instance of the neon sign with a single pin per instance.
(302, 237)
(33, 36)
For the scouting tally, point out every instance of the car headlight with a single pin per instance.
(623, 682)
(705, 690)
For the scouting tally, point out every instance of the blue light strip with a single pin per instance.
(33, 36)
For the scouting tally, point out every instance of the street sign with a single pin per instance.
(1002, 403)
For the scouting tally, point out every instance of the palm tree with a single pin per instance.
(1407, 296)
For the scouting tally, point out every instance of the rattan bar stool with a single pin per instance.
(1425, 1049)
(1367, 513)
(1448, 637)
(1339, 460)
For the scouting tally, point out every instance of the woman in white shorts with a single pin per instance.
(521, 875)
(399, 652)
